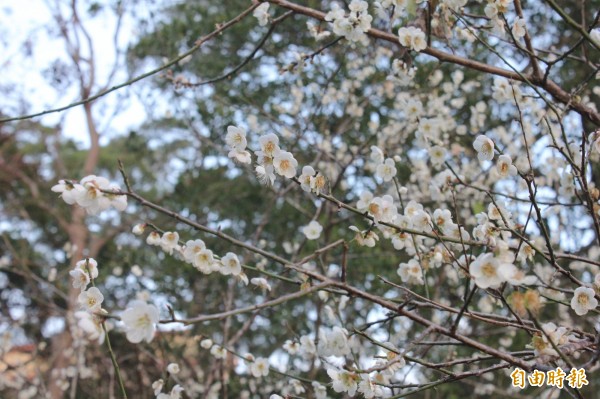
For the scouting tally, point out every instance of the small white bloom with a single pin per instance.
(218, 352)
(386, 170)
(269, 144)
(313, 230)
(192, 248)
(80, 278)
(262, 14)
(376, 155)
(91, 300)
(158, 386)
(88, 265)
(91, 325)
(240, 156)
(169, 241)
(518, 28)
(173, 368)
(205, 261)
(230, 264)
(138, 229)
(260, 367)
(595, 35)
(484, 147)
(367, 238)
(261, 282)
(411, 272)
(343, 381)
(583, 300)
(285, 164)
(140, 321)
(153, 238)
(505, 167)
(486, 271)
(236, 137)
(68, 190)
(306, 178)
(206, 343)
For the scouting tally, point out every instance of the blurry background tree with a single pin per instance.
(329, 100)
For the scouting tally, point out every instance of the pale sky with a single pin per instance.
(30, 46)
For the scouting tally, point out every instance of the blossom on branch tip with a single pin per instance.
(313, 230)
(140, 320)
(81, 279)
(583, 300)
(261, 13)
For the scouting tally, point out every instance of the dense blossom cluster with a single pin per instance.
(448, 195)
(93, 193)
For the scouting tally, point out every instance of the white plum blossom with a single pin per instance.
(411, 272)
(313, 230)
(306, 178)
(88, 265)
(595, 35)
(140, 320)
(265, 174)
(173, 368)
(261, 283)
(366, 238)
(437, 155)
(236, 138)
(413, 38)
(138, 229)
(377, 155)
(518, 28)
(285, 164)
(488, 271)
(365, 200)
(230, 264)
(355, 24)
(343, 381)
(93, 193)
(81, 279)
(68, 191)
(91, 325)
(386, 170)
(504, 166)
(218, 352)
(260, 367)
(192, 248)
(583, 300)
(153, 238)
(484, 147)
(91, 300)
(170, 242)
(204, 261)
(262, 14)
(333, 342)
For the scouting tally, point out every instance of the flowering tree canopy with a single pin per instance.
(323, 200)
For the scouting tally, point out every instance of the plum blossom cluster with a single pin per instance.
(89, 317)
(93, 193)
(158, 385)
(412, 38)
(195, 253)
(271, 160)
(352, 25)
(139, 319)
